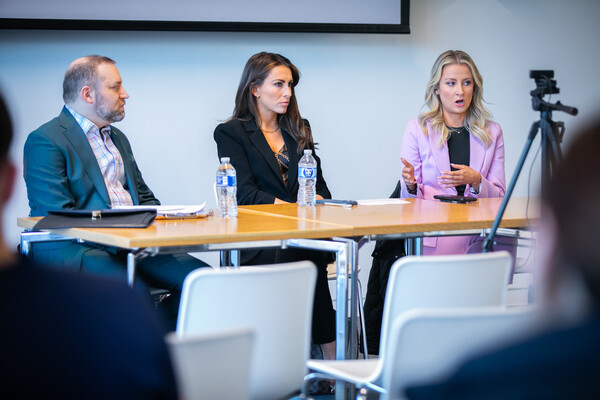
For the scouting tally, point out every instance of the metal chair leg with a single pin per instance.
(361, 312)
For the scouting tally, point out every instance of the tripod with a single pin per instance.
(552, 134)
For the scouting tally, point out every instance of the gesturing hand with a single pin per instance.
(408, 175)
(462, 176)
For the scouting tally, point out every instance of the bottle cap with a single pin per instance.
(307, 151)
(224, 159)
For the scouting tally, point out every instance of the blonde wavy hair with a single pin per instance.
(477, 117)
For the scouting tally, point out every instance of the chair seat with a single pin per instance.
(355, 371)
(427, 344)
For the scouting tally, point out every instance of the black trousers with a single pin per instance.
(323, 317)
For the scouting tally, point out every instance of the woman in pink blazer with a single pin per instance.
(454, 148)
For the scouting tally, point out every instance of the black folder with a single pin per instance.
(97, 219)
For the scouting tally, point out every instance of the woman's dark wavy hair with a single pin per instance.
(255, 72)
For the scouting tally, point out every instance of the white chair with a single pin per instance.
(469, 280)
(427, 344)
(212, 366)
(275, 301)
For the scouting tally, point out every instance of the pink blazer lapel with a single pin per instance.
(477, 154)
(440, 154)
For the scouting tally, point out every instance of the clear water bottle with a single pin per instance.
(226, 189)
(307, 178)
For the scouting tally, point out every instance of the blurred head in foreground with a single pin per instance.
(7, 173)
(571, 221)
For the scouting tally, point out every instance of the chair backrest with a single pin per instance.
(212, 366)
(275, 301)
(427, 344)
(470, 280)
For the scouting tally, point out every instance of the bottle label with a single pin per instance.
(226, 181)
(306, 172)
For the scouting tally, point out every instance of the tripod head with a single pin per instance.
(543, 82)
(546, 85)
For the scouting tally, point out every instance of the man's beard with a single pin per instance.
(106, 113)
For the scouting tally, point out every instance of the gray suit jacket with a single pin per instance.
(61, 170)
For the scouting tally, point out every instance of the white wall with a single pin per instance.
(358, 91)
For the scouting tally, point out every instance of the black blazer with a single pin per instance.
(258, 176)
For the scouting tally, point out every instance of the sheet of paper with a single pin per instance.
(380, 202)
(169, 210)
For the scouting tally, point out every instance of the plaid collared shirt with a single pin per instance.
(108, 157)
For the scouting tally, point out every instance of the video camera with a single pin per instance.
(546, 85)
(544, 82)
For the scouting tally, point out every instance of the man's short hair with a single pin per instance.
(6, 131)
(82, 74)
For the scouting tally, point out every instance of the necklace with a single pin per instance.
(461, 129)
(267, 131)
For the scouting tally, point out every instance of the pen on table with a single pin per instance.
(341, 203)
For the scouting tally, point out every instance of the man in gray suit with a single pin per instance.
(79, 160)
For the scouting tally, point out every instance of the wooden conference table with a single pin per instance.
(418, 218)
(327, 228)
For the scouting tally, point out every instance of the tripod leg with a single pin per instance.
(487, 244)
(551, 153)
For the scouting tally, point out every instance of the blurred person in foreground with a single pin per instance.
(561, 360)
(72, 336)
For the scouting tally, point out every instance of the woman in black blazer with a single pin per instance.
(264, 140)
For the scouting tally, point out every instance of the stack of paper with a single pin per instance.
(381, 202)
(173, 212)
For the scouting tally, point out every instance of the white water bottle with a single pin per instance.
(307, 179)
(226, 189)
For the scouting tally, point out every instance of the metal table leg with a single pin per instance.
(28, 238)
(130, 268)
(347, 255)
(414, 246)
